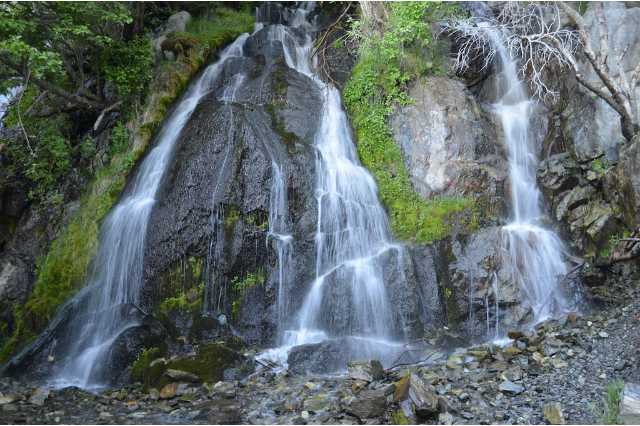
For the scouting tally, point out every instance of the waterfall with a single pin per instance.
(115, 283)
(347, 296)
(534, 255)
(5, 101)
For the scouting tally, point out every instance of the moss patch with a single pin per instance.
(143, 372)
(209, 363)
(386, 64)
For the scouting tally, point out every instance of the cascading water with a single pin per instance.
(5, 100)
(535, 255)
(116, 281)
(352, 233)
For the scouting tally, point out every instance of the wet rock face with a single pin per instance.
(36, 362)
(449, 144)
(214, 202)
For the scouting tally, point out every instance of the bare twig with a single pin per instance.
(532, 33)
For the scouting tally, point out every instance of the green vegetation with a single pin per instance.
(46, 156)
(141, 370)
(612, 243)
(599, 166)
(387, 63)
(182, 287)
(398, 418)
(228, 24)
(611, 404)
(61, 272)
(241, 285)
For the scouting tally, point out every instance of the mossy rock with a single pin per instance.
(179, 43)
(209, 364)
(142, 370)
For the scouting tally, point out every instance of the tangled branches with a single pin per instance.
(530, 32)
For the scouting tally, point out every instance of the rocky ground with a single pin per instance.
(563, 366)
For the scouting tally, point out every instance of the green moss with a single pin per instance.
(143, 372)
(379, 81)
(182, 287)
(232, 216)
(398, 418)
(209, 363)
(240, 285)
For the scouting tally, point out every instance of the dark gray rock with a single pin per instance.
(423, 397)
(214, 202)
(368, 371)
(368, 404)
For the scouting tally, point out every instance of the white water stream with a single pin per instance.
(535, 255)
(117, 277)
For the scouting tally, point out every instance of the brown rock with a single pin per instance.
(402, 389)
(553, 414)
(169, 391)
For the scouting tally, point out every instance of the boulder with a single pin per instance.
(423, 397)
(223, 412)
(226, 390)
(178, 22)
(449, 146)
(368, 371)
(169, 391)
(510, 388)
(181, 376)
(368, 404)
(630, 404)
(39, 396)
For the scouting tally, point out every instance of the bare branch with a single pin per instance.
(532, 33)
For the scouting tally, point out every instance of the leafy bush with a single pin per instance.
(129, 65)
(119, 140)
(379, 80)
(46, 157)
